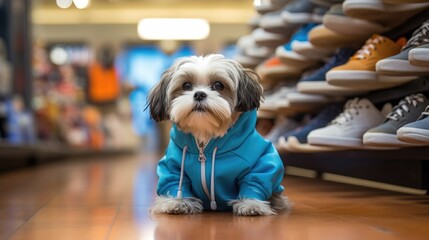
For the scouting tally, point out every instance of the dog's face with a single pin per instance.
(204, 95)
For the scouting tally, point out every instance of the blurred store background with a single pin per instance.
(74, 74)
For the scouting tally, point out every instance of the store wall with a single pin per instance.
(120, 34)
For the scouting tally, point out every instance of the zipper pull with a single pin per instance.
(202, 158)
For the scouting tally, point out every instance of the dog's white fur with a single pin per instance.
(170, 100)
(173, 205)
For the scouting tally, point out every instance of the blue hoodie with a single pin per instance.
(245, 166)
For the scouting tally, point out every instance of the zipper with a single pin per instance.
(202, 158)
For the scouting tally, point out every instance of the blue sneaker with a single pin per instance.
(321, 120)
(317, 80)
(287, 55)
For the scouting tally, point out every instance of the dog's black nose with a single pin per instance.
(199, 96)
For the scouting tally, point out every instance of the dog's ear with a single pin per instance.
(249, 91)
(157, 100)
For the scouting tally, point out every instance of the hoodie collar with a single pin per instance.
(235, 135)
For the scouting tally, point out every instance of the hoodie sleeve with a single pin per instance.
(168, 171)
(264, 178)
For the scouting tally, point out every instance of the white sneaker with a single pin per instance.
(347, 129)
(277, 99)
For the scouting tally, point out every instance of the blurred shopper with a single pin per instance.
(5, 88)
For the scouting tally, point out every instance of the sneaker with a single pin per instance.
(257, 51)
(266, 6)
(308, 50)
(254, 22)
(268, 39)
(274, 70)
(246, 61)
(347, 129)
(419, 56)
(327, 3)
(321, 120)
(322, 37)
(317, 80)
(398, 64)
(416, 132)
(360, 69)
(407, 111)
(276, 100)
(337, 21)
(377, 10)
(287, 55)
(302, 100)
(300, 12)
(294, 145)
(273, 22)
(282, 125)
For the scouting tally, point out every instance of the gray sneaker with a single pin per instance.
(407, 111)
(274, 23)
(419, 56)
(327, 3)
(398, 64)
(299, 12)
(416, 132)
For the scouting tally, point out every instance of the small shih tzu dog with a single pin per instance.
(215, 159)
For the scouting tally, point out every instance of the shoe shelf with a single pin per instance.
(408, 167)
(13, 156)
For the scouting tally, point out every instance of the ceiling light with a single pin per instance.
(173, 28)
(64, 3)
(81, 4)
(59, 56)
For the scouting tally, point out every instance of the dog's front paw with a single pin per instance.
(251, 207)
(172, 205)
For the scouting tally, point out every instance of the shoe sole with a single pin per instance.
(351, 26)
(370, 9)
(383, 140)
(277, 73)
(399, 68)
(293, 145)
(351, 77)
(321, 87)
(419, 57)
(335, 141)
(297, 18)
(302, 98)
(413, 135)
(309, 51)
(292, 58)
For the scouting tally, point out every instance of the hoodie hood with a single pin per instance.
(235, 136)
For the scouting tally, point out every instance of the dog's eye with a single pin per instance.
(218, 86)
(187, 86)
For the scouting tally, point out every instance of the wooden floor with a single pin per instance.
(110, 198)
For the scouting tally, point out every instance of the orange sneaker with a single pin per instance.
(275, 70)
(360, 69)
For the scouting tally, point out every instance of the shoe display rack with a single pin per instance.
(408, 167)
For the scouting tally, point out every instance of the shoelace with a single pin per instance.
(420, 36)
(403, 106)
(351, 108)
(369, 46)
(426, 112)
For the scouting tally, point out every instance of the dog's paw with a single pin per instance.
(280, 202)
(172, 205)
(251, 207)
